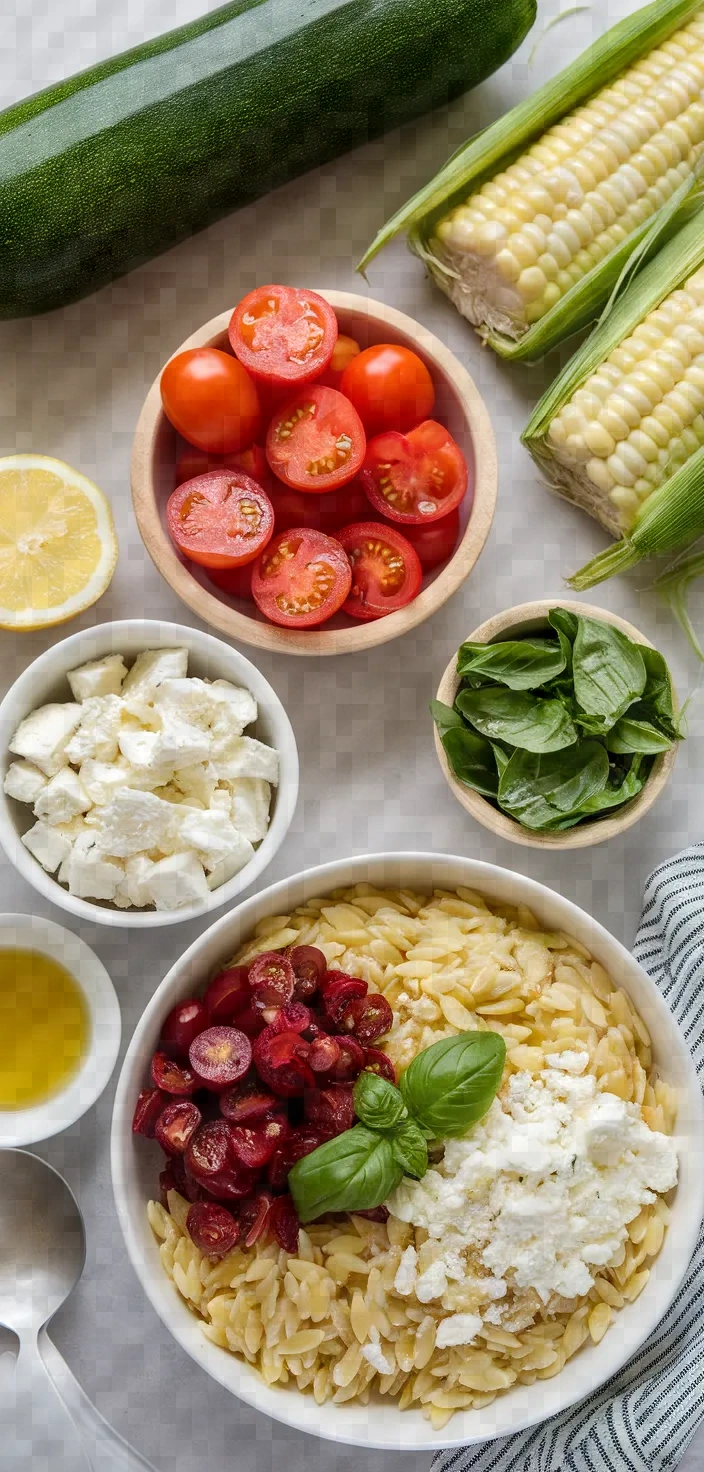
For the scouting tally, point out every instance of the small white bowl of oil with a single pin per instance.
(60, 1028)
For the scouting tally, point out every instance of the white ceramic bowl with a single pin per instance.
(45, 680)
(57, 1113)
(135, 1164)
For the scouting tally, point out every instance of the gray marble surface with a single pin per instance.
(71, 385)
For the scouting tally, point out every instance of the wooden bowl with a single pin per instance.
(458, 405)
(531, 618)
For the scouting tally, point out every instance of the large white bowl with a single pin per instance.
(45, 680)
(135, 1164)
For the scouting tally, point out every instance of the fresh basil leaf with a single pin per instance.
(536, 789)
(410, 1149)
(641, 710)
(658, 691)
(502, 756)
(378, 1103)
(564, 622)
(609, 797)
(450, 1085)
(521, 664)
(609, 672)
(354, 1172)
(518, 717)
(445, 717)
(471, 759)
(593, 725)
(630, 735)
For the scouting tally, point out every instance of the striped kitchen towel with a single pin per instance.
(643, 1418)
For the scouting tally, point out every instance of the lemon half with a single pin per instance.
(58, 546)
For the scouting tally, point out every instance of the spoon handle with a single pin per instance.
(38, 1431)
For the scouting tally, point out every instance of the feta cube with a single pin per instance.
(251, 800)
(137, 871)
(63, 798)
(245, 757)
(241, 703)
(177, 881)
(98, 732)
(136, 822)
(90, 875)
(43, 735)
(214, 839)
(153, 666)
(98, 677)
(196, 781)
(24, 782)
(181, 744)
(48, 846)
(102, 780)
(139, 748)
(190, 698)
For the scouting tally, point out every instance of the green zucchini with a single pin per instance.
(103, 171)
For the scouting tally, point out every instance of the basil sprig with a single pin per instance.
(560, 729)
(447, 1088)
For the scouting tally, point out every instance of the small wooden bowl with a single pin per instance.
(459, 405)
(531, 618)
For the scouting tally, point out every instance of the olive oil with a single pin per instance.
(44, 1028)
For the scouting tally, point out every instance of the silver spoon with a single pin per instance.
(41, 1229)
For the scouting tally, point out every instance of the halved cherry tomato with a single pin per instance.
(324, 513)
(237, 581)
(386, 572)
(415, 477)
(192, 462)
(316, 440)
(283, 334)
(434, 541)
(344, 351)
(222, 519)
(301, 579)
(390, 388)
(211, 400)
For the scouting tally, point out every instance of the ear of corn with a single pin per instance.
(621, 431)
(528, 237)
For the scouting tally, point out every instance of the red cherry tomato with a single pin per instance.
(316, 440)
(236, 581)
(192, 462)
(211, 400)
(301, 579)
(344, 351)
(390, 388)
(434, 541)
(324, 513)
(222, 519)
(416, 477)
(386, 572)
(283, 334)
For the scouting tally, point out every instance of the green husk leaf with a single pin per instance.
(550, 24)
(488, 152)
(675, 584)
(672, 517)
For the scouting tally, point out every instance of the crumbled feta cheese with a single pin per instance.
(214, 839)
(177, 881)
(374, 1355)
(542, 1188)
(405, 1280)
(570, 1061)
(432, 1283)
(92, 876)
(136, 822)
(245, 757)
(98, 677)
(98, 730)
(63, 798)
(47, 845)
(151, 668)
(458, 1329)
(197, 781)
(24, 782)
(43, 735)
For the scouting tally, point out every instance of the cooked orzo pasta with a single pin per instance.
(367, 1308)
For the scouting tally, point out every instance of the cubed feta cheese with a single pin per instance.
(181, 744)
(63, 798)
(98, 731)
(102, 780)
(136, 822)
(214, 839)
(98, 677)
(137, 871)
(190, 698)
(90, 874)
(43, 735)
(245, 757)
(196, 781)
(48, 846)
(139, 748)
(177, 881)
(24, 782)
(251, 800)
(153, 666)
